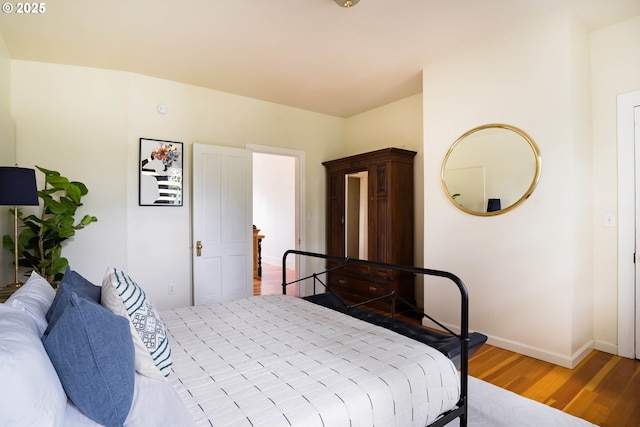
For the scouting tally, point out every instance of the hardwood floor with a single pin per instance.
(271, 281)
(603, 389)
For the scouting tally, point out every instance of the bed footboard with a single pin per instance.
(455, 345)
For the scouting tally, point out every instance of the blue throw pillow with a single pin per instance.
(92, 351)
(71, 281)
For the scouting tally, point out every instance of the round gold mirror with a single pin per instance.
(491, 169)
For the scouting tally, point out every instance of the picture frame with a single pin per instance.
(160, 173)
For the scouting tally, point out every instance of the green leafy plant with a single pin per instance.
(40, 241)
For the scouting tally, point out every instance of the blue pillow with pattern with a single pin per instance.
(126, 298)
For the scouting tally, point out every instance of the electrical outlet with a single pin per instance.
(172, 289)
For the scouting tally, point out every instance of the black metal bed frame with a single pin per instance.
(461, 410)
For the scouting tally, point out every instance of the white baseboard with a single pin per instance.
(277, 261)
(606, 347)
(566, 361)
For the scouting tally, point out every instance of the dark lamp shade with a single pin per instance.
(18, 186)
(493, 205)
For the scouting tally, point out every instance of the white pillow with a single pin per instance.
(31, 393)
(124, 297)
(34, 298)
(155, 403)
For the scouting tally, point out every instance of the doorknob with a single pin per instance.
(198, 248)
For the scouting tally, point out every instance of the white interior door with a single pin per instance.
(628, 224)
(636, 144)
(222, 224)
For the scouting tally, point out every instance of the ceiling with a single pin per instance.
(309, 54)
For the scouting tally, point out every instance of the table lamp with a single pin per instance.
(17, 188)
(493, 205)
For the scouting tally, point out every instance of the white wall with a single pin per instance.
(7, 157)
(274, 205)
(7, 135)
(615, 65)
(531, 266)
(73, 120)
(86, 123)
(398, 124)
(527, 271)
(522, 88)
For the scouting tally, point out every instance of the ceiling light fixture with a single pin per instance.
(346, 3)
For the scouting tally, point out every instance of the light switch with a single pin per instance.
(610, 220)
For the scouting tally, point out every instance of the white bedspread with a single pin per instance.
(278, 361)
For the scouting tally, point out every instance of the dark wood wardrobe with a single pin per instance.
(370, 208)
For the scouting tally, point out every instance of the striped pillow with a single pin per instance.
(124, 297)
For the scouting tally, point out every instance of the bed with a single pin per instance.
(75, 358)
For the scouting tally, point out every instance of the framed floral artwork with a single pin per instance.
(160, 173)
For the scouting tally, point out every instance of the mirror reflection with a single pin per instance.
(491, 169)
(356, 213)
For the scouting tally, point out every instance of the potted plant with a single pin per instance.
(40, 241)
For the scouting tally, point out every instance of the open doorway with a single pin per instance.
(276, 213)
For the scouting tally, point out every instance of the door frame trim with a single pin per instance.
(626, 223)
(300, 194)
